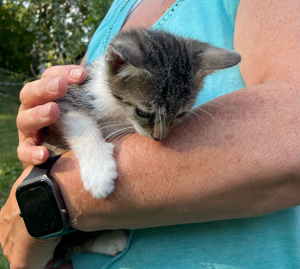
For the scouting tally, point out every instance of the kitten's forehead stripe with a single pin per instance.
(172, 69)
(160, 73)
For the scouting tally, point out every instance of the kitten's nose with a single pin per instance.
(159, 132)
(155, 138)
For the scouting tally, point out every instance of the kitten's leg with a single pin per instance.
(95, 156)
(109, 242)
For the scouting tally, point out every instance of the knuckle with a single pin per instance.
(20, 152)
(5, 252)
(49, 71)
(25, 120)
(46, 72)
(22, 94)
(18, 121)
(17, 265)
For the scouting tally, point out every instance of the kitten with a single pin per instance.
(149, 80)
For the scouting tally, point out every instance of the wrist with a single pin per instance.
(41, 204)
(22, 250)
(86, 213)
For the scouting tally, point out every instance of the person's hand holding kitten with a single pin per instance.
(37, 110)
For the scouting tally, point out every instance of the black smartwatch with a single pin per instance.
(41, 204)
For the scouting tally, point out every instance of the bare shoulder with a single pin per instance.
(267, 36)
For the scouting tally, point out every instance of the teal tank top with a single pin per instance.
(267, 242)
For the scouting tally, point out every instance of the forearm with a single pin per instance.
(241, 159)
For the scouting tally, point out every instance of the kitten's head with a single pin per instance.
(156, 76)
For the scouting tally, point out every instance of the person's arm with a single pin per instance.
(243, 163)
(241, 159)
(18, 246)
(37, 111)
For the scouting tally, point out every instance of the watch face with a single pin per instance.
(39, 209)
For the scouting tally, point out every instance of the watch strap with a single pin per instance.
(42, 169)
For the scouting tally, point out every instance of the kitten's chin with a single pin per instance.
(141, 131)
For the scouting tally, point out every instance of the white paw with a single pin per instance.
(99, 174)
(110, 243)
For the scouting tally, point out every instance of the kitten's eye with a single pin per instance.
(141, 113)
(181, 115)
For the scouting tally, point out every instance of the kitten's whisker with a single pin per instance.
(113, 125)
(118, 132)
(124, 131)
(221, 104)
(197, 120)
(208, 113)
(118, 142)
(198, 116)
(220, 107)
(160, 135)
(108, 122)
(155, 120)
(191, 118)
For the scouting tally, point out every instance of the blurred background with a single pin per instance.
(35, 35)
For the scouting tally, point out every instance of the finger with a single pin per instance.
(42, 91)
(53, 85)
(72, 73)
(29, 153)
(30, 121)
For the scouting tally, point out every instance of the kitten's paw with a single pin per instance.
(100, 181)
(110, 243)
(98, 175)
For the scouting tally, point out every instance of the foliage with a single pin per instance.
(15, 44)
(59, 30)
(10, 166)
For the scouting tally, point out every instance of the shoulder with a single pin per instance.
(267, 36)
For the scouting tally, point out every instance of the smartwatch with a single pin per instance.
(41, 204)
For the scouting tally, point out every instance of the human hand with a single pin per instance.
(22, 250)
(37, 110)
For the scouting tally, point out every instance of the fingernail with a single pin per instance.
(53, 85)
(44, 111)
(38, 155)
(76, 73)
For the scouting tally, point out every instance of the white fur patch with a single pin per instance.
(105, 104)
(110, 243)
(95, 156)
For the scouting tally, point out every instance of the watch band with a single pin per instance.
(41, 173)
(42, 169)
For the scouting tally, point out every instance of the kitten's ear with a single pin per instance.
(120, 64)
(114, 59)
(214, 58)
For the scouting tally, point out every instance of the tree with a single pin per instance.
(58, 30)
(15, 43)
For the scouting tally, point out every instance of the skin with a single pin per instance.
(223, 166)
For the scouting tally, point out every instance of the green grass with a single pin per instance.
(10, 166)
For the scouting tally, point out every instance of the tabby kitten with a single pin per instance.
(148, 79)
